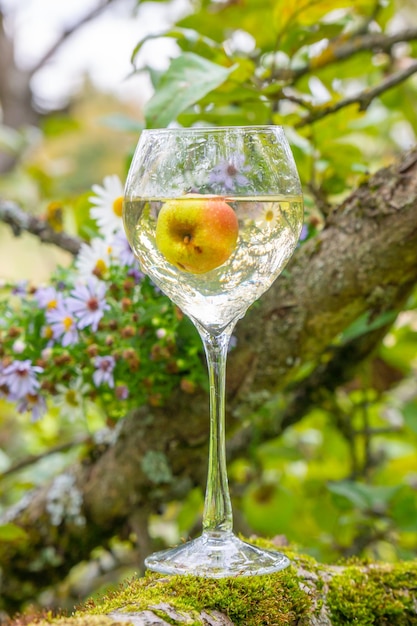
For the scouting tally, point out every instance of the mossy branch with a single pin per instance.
(305, 594)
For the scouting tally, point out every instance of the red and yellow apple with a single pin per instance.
(196, 234)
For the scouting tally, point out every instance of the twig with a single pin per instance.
(34, 458)
(363, 99)
(341, 49)
(20, 221)
(373, 15)
(375, 42)
(67, 33)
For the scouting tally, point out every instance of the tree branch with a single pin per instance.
(35, 458)
(341, 49)
(308, 594)
(20, 221)
(95, 12)
(363, 98)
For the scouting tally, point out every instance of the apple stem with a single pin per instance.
(217, 516)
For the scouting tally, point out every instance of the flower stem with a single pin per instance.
(217, 516)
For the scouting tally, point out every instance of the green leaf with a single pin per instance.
(12, 533)
(404, 510)
(120, 121)
(363, 325)
(269, 508)
(307, 12)
(85, 226)
(247, 113)
(364, 497)
(56, 125)
(410, 415)
(188, 39)
(188, 79)
(219, 20)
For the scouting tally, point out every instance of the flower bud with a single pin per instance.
(128, 285)
(128, 331)
(92, 350)
(126, 303)
(62, 359)
(155, 399)
(188, 386)
(14, 332)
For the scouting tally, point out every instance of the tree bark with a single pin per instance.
(364, 261)
(15, 93)
(16, 96)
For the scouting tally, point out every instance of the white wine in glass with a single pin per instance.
(213, 215)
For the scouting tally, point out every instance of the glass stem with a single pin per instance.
(217, 516)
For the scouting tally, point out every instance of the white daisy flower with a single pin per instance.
(108, 202)
(71, 400)
(269, 216)
(94, 259)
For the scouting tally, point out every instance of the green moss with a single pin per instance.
(274, 599)
(355, 592)
(377, 594)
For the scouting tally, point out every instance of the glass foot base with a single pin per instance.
(217, 555)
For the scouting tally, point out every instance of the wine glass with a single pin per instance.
(213, 215)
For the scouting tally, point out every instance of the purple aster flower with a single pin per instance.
(122, 250)
(20, 288)
(104, 370)
(304, 233)
(136, 274)
(34, 403)
(122, 392)
(20, 379)
(47, 297)
(88, 304)
(228, 173)
(63, 324)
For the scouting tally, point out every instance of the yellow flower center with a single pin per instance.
(48, 332)
(100, 268)
(269, 216)
(71, 398)
(67, 322)
(118, 206)
(51, 304)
